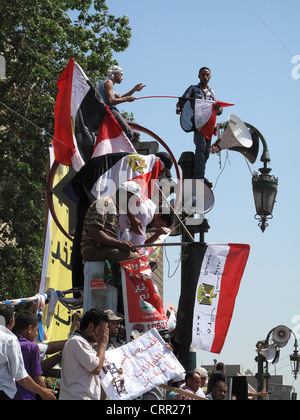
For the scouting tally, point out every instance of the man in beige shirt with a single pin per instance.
(81, 364)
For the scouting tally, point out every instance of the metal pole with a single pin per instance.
(187, 358)
(163, 244)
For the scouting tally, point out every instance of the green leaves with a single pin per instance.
(37, 39)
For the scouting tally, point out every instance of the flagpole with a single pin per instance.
(158, 244)
(172, 208)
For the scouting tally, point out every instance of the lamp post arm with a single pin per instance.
(296, 340)
(265, 157)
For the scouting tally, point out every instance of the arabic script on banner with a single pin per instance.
(135, 368)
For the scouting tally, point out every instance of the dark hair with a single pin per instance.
(8, 313)
(165, 158)
(168, 218)
(215, 377)
(219, 383)
(24, 320)
(204, 68)
(220, 366)
(190, 375)
(94, 316)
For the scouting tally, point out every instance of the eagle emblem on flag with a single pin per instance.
(205, 294)
(137, 163)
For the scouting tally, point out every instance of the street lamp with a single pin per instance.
(264, 186)
(295, 360)
(270, 352)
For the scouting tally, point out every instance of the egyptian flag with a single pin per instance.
(102, 176)
(111, 138)
(143, 169)
(200, 115)
(79, 111)
(210, 286)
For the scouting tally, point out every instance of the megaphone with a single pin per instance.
(271, 353)
(268, 352)
(281, 335)
(237, 137)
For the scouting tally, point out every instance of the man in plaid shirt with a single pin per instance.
(200, 91)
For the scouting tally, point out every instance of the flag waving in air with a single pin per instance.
(111, 138)
(209, 290)
(79, 115)
(79, 110)
(200, 115)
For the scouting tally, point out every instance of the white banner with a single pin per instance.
(135, 368)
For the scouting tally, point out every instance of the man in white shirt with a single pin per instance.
(81, 364)
(12, 368)
(204, 375)
(148, 217)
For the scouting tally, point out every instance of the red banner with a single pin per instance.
(143, 306)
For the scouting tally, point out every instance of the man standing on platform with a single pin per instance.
(204, 92)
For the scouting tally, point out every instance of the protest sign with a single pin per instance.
(135, 368)
(144, 308)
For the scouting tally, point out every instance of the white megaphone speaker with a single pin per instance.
(271, 353)
(236, 137)
(268, 352)
(281, 336)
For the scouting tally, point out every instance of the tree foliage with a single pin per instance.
(37, 39)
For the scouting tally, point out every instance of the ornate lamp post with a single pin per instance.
(270, 352)
(264, 186)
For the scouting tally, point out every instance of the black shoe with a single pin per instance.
(208, 183)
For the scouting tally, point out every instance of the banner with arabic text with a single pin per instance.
(135, 368)
(143, 307)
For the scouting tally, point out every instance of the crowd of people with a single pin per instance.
(23, 366)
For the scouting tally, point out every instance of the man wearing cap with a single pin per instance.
(111, 98)
(99, 235)
(114, 323)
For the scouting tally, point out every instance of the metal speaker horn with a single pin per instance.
(250, 153)
(281, 335)
(236, 134)
(237, 137)
(269, 353)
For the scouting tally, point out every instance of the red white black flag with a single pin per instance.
(79, 110)
(111, 138)
(209, 289)
(200, 115)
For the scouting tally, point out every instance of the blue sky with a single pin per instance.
(250, 54)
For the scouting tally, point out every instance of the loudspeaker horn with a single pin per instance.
(236, 134)
(237, 137)
(281, 335)
(269, 352)
(250, 153)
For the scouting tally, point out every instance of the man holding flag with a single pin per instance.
(202, 138)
